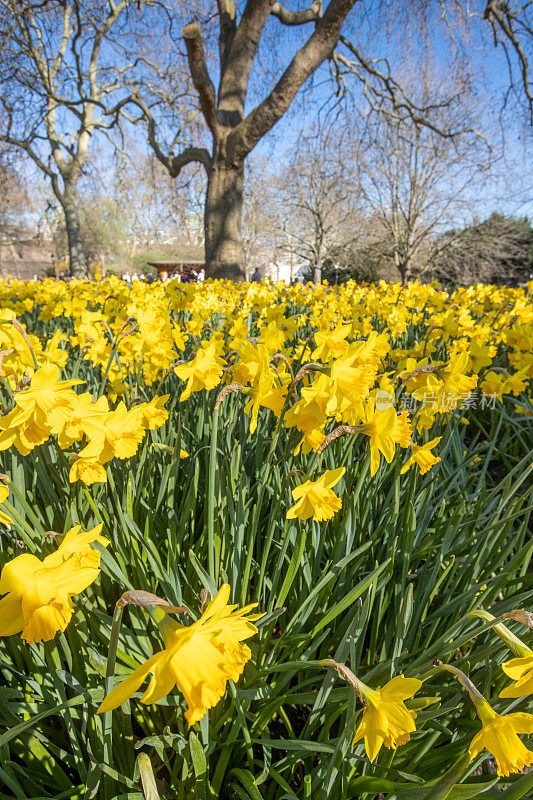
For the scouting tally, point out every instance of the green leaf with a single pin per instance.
(199, 761)
(147, 777)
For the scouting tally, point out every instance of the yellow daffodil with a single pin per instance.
(87, 470)
(316, 499)
(75, 547)
(519, 670)
(422, 455)
(273, 337)
(38, 409)
(46, 399)
(331, 344)
(267, 393)
(351, 380)
(499, 735)
(199, 658)
(84, 417)
(385, 430)
(203, 372)
(386, 720)
(5, 519)
(118, 436)
(153, 414)
(37, 599)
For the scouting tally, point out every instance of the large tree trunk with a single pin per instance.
(78, 267)
(318, 263)
(224, 247)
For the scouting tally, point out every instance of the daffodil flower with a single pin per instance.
(199, 658)
(385, 430)
(316, 499)
(386, 720)
(422, 455)
(38, 594)
(519, 670)
(499, 735)
(203, 372)
(5, 519)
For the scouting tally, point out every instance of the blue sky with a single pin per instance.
(379, 36)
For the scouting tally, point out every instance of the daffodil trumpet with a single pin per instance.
(499, 733)
(520, 668)
(199, 658)
(37, 594)
(386, 719)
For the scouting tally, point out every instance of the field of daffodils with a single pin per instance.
(261, 542)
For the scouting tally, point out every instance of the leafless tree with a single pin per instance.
(60, 83)
(320, 199)
(15, 201)
(415, 181)
(234, 131)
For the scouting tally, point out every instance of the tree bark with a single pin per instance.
(234, 135)
(77, 264)
(224, 246)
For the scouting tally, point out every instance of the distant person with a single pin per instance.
(150, 278)
(256, 276)
(126, 277)
(201, 275)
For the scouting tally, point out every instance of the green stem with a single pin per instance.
(211, 497)
(107, 724)
(257, 512)
(114, 348)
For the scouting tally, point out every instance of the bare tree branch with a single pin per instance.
(200, 75)
(311, 14)
(317, 49)
(504, 20)
(191, 154)
(239, 60)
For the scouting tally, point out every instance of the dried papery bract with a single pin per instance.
(520, 615)
(281, 357)
(307, 369)
(419, 371)
(293, 473)
(231, 388)
(205, 597)
(142, 599)
(346, 673)
(342, 430)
